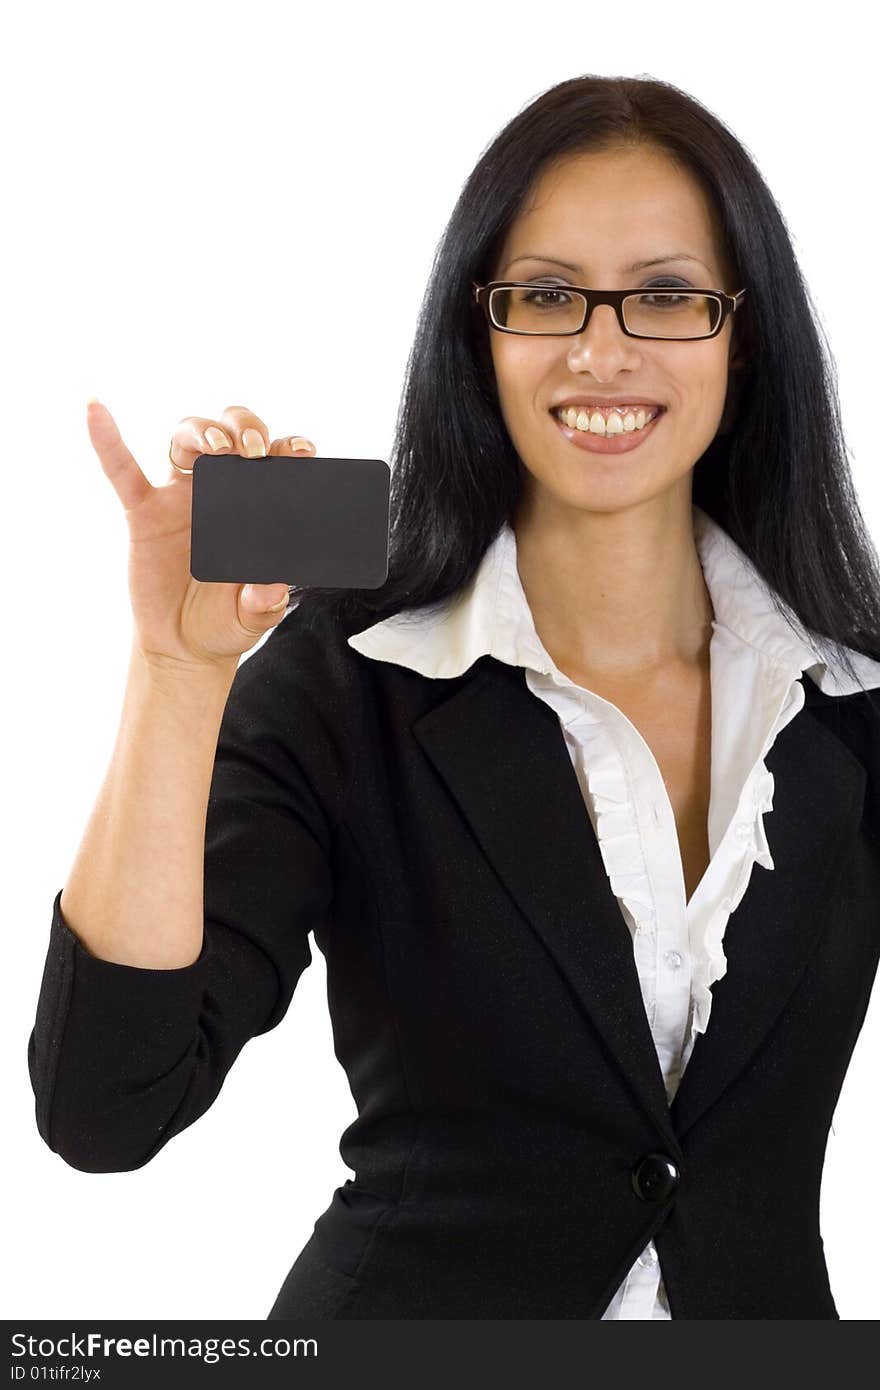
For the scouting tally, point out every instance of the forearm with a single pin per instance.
(135, 892)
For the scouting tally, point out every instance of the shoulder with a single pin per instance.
(296, 704)
(853, 717)
(854, 721)
(307, 652)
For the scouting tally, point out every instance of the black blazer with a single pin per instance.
(514, 1150)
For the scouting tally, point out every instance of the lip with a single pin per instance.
(604, 401)
(607, 443)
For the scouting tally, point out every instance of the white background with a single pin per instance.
(183, 186)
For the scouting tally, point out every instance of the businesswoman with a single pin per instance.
(580, 806)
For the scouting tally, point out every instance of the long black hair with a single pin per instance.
(776, 476)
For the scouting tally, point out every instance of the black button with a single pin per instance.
(654, 1178)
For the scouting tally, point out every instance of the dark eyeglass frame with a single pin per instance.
(482, 295)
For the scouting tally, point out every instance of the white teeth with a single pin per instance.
(589, 418)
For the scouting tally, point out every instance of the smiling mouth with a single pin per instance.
(611, 444)
(590, 420)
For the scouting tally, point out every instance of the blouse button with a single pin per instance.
(673, 959)
(648, 1257)
(743, 830)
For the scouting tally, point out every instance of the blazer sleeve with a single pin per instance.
(121, 1058)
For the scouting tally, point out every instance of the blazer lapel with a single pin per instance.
(818, 794)
(502, 754)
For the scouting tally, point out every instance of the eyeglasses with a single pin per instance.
(560, 311)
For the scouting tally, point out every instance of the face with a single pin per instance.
(602, 213)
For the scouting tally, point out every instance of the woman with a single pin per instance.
(519, 792)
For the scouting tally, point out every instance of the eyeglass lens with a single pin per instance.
(655, 314)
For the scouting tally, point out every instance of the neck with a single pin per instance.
(620, 595)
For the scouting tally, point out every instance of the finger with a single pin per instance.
(118, 463)
(197, 434)
(247, 429)
(290, 445)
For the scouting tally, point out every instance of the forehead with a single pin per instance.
(612, 209)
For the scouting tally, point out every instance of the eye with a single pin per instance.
(543, 296)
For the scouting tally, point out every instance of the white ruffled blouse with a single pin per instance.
(756, 662)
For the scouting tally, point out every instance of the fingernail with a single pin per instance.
(282, 603)
(297, 442)
(217, 439)
(253, 444)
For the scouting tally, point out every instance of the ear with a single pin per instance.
(731, 401)
(742, 343)
(484, 351)
(737, 362)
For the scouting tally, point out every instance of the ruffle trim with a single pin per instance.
(617, 828)
(620, 845)
(709, 960)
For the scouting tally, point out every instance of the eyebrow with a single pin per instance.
(627, 270)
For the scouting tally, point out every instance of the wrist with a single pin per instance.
(203, 683)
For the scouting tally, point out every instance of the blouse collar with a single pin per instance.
(492, 617)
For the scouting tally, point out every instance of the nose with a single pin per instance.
(601, 342)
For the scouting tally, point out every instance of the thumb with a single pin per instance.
(264, 600)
